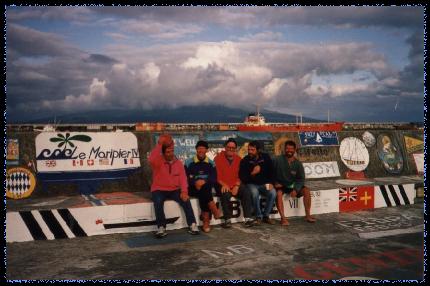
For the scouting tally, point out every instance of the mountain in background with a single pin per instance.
(189, 114)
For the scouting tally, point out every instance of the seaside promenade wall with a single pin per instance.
(363, 151)
(346, 171)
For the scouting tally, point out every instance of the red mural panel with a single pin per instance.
(356, 198)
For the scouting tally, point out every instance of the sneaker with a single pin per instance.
(249, 222)
(161, 232)
(226, 224)
(268, 220)
(193, 229)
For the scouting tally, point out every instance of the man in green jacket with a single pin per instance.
(290, 179)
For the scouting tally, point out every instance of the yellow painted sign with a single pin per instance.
(413, 144)
(20, 183)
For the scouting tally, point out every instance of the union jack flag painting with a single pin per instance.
(348, 194)
(356, 198)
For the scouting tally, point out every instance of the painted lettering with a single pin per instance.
(216, 254)
(240, 249)
(294, 203)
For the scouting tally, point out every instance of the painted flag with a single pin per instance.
(78, 162)
(128, 161)
(103, 161)
(356, 198)
(348, 194)
(50, 163)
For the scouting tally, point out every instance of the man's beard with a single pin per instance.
(289, 155)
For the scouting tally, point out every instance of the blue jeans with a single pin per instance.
(158, 197)
(270, 195)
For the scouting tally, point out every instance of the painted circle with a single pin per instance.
(354, 154)
(368, 139)
(20, 183)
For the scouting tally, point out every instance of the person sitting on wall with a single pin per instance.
(290, 179)
(201, 175)
(256, 172)
(169, 181)
(227, 167)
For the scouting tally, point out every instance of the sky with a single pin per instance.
(358, 64)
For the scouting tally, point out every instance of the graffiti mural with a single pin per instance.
(389, 153)
(12, 156)
(185, 145)
(368, 139)
(413, 145)
(20, 183)
(318, 138)
(216, 141)
(354, 154)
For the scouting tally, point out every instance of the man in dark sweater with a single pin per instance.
(290, 179)
(256, 172)
(201, 175)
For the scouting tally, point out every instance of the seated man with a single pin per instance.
(169, 182)
(256, 172)
(227, 167)
(201, 175)
(290, 179)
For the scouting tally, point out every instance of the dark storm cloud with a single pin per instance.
(30, 42)
(101, 59)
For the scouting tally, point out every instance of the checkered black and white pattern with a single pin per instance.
(18, 183)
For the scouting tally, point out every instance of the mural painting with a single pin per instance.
(216, 141)
(12, 157)
(20, 183)
(354, 154)
(389, 153)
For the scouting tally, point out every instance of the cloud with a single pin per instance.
(45, 73)
(251, 17)
(236, 74)
(70, 13)
(159, 30)
(30, 42)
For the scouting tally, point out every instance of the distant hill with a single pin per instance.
(191, 114)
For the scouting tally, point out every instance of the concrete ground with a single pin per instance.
(385, 243)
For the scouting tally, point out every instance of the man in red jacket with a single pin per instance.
(227, 166)
(169, 181)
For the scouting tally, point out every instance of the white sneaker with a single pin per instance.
(193, 229)
(161, 232)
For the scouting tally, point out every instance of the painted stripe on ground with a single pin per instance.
(394, 195)
(38, 217)
(53, 224)
(32, 225)
(63, 224)
(404, 195)
(385, 195)
(391, 232)
(71, 222)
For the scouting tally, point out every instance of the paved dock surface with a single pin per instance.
(385, 243)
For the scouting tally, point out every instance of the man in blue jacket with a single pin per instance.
(256, 172)
(202, 178)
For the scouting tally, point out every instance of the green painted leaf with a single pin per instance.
(83, 138)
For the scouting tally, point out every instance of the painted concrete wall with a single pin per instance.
(141, 179)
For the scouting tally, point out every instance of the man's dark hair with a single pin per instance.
(255, 144)
(290, 143)
(202, 143)
(164, 147)
(230, 140)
